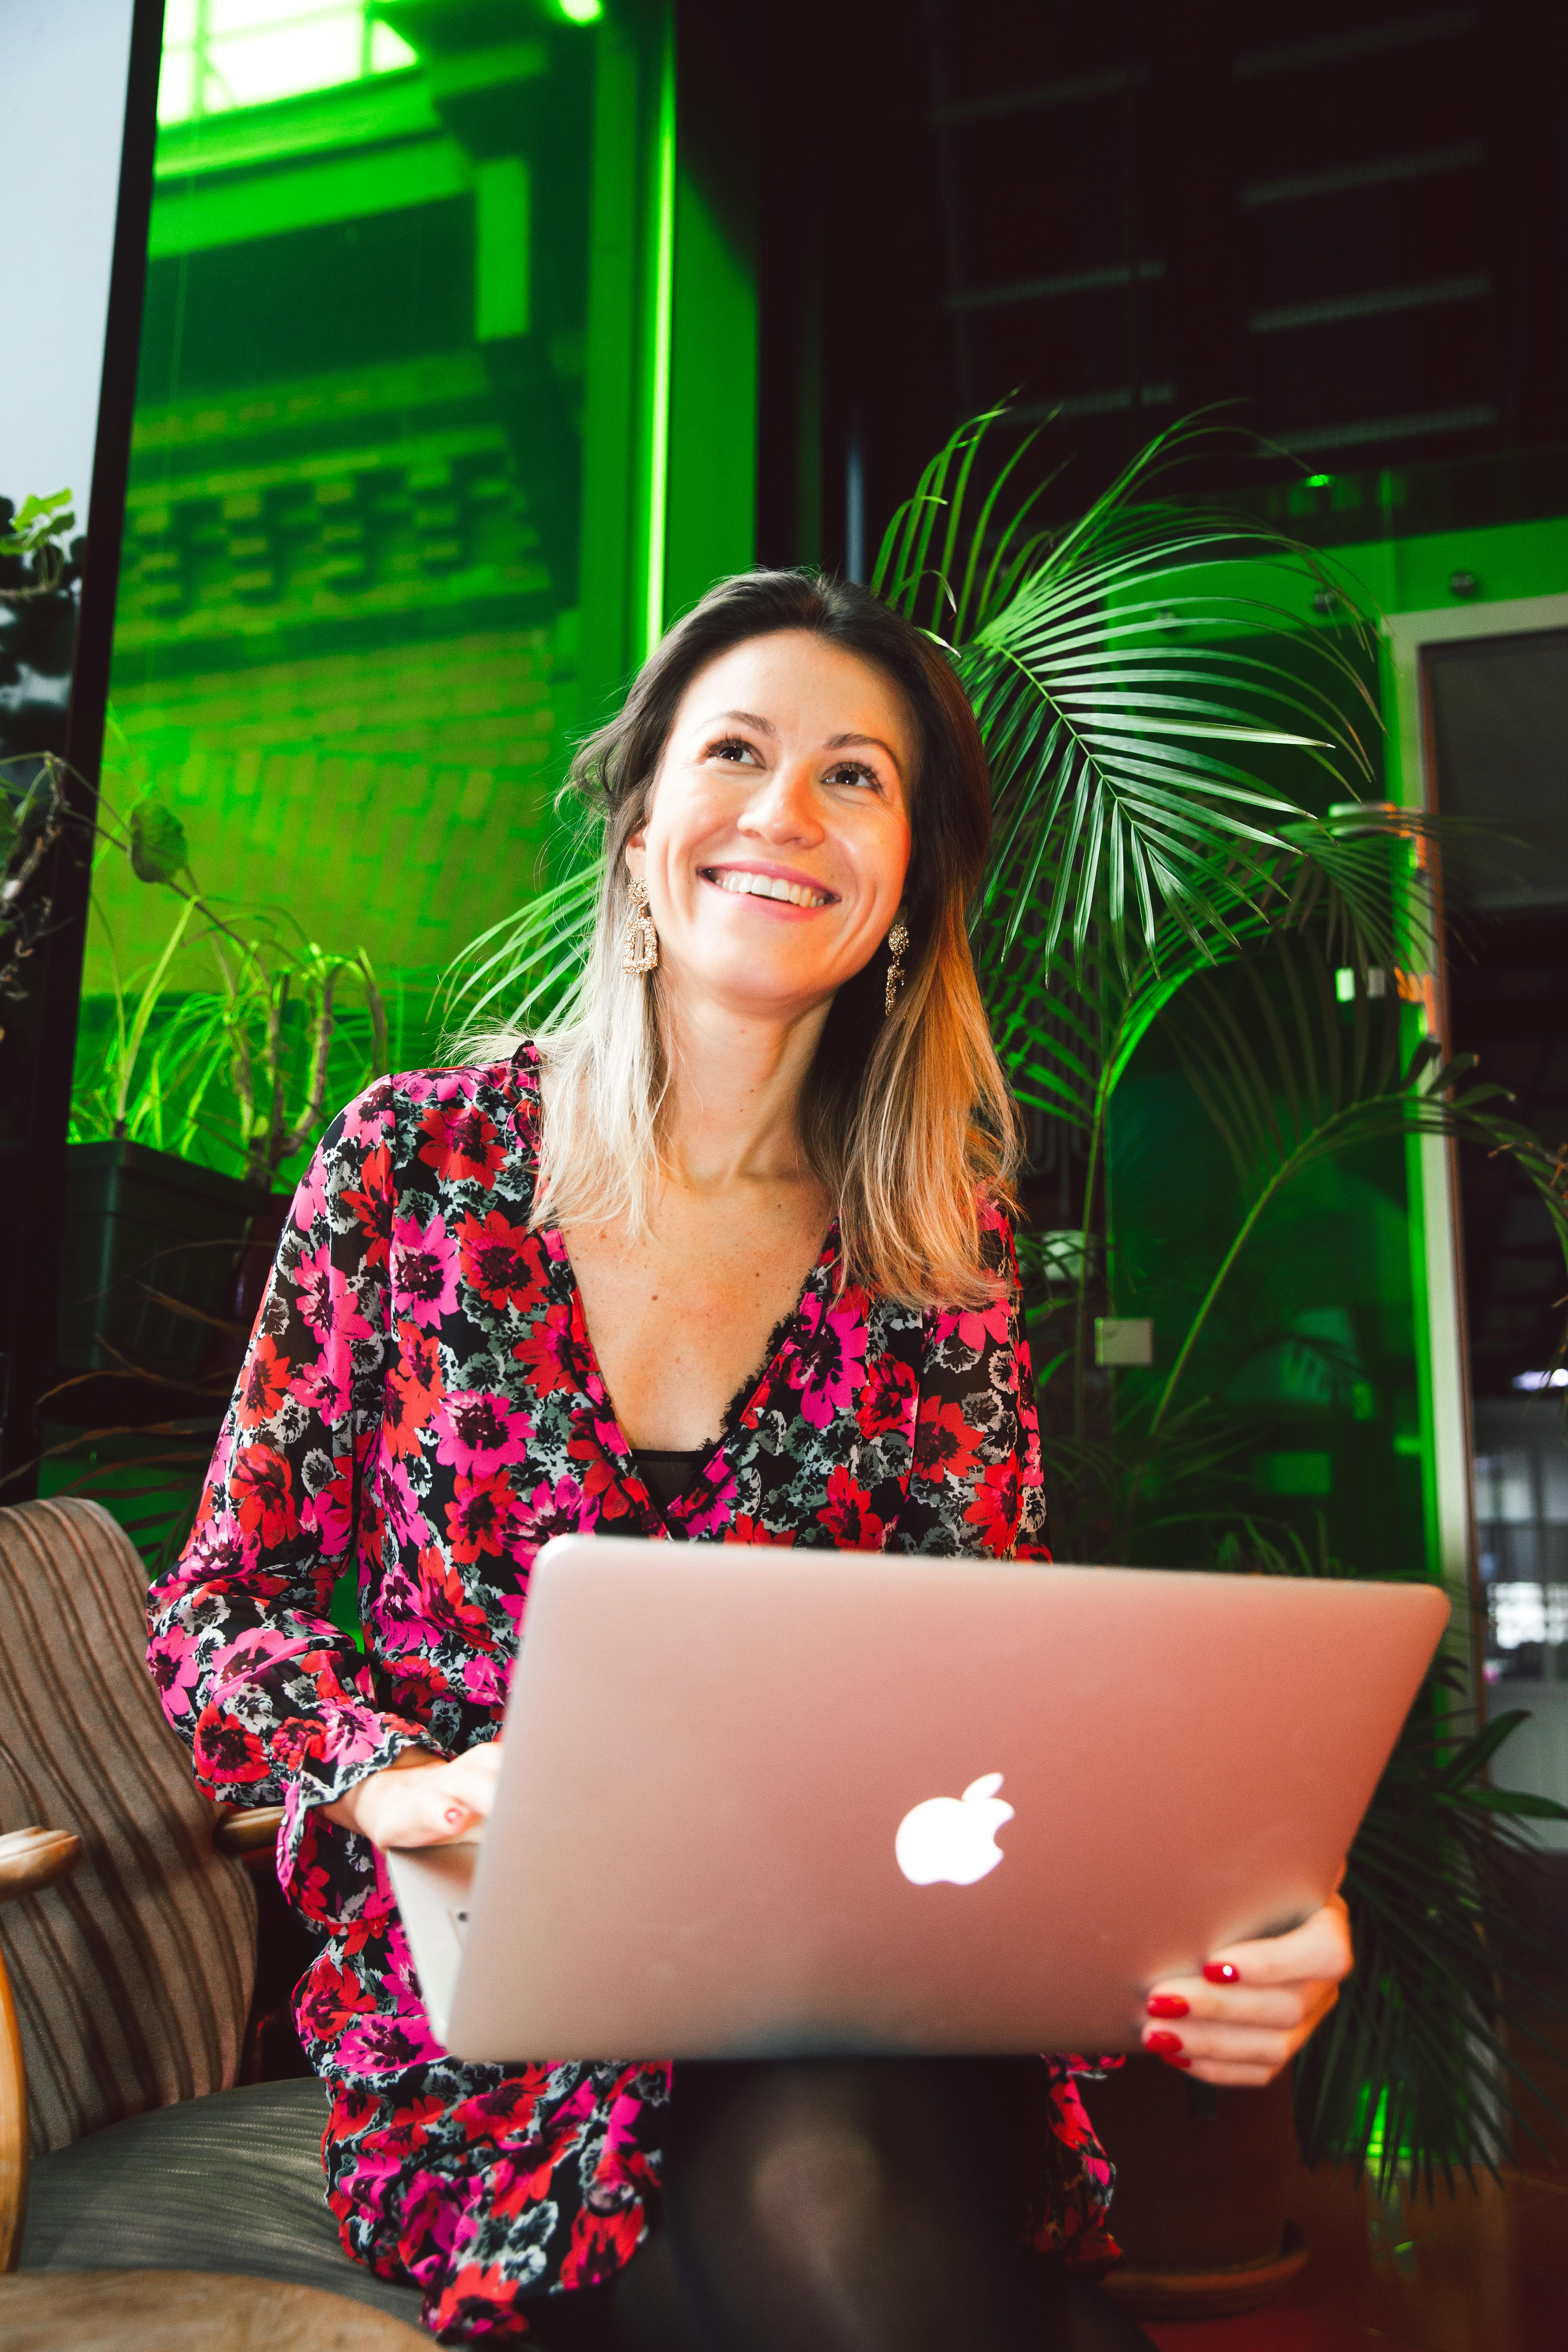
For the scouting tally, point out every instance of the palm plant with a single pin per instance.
(1151, 884)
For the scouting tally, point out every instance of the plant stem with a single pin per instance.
(1081, 1319)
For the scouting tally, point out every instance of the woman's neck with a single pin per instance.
(732, 1112)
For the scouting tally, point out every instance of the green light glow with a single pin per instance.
(223, 54)
(581, 12)
(1319, 481)
(663, 310)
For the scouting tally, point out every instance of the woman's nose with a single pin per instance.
(784, 809)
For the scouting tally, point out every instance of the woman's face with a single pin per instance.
(777, 836)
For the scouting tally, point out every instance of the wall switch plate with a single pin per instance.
(1123, 1339)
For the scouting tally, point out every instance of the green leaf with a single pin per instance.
(159, 850)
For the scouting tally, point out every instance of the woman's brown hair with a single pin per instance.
(906, 1119)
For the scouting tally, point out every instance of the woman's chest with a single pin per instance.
(685, 1316)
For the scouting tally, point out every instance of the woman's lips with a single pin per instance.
(778, 892)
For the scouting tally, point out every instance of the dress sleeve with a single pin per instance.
(276, 1702)
(974, 1482)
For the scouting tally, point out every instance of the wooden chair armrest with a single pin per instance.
(34, 1858)
(249, 1830)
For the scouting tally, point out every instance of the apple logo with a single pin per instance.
(954, 1838)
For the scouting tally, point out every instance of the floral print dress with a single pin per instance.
(420, 1407)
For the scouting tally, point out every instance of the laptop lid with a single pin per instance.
(760, 1801)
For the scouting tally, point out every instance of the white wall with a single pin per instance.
(62, 89)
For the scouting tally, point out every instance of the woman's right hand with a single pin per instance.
(418, 1801)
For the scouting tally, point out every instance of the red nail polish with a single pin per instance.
(454, 1815)
(1165, 2060)
(1222, 1972)
(1161, 2044)
(1167, 2004)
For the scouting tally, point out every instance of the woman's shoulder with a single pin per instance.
(458, 1118)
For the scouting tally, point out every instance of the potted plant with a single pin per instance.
(234, 1077)
(1154, 888)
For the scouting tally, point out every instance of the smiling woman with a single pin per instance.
(721, 1256)
(795, 771)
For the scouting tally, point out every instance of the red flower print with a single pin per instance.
(752, 1531)
(263, 1385)
(227, 1754)
(477, 1520)
(600, 2244)
(994, 1507)
(445, 1599)
(848, 1515)
(499, 1260)
(601, 1479)
(549, 1352)
(944, 1443)
(889, 1397)
(414, 1389)
(460, 1143)
(424, 1269)
(479, 1430)
(331, 1996)
(260, 1485)
(372, 1205)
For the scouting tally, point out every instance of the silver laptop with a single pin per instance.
(760, 1801)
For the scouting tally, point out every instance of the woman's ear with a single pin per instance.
(636, 851)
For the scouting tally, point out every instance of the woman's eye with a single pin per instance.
(733, 748)
(852, 772)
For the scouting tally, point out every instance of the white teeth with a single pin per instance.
(765, 885)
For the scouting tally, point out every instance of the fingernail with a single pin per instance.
(1166, 2060)
(1222, 1972)
(454, 1815)
(1167, 2004)
(1161, 2044)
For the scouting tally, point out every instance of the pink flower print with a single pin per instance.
(424, 1269)
(715, 1506)
(370, 1114)
(310, 1198)
(831, 1361)
(404, 1511)
(484, 1681)
(477, 1429)
(174, 1663)
(973, 1325)
(220, 1548)
(561, 1509)
(331, 1511)
(323, 1386)
(326, 1301)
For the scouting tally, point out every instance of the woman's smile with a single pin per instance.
(772, 890)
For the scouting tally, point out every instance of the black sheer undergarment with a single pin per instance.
(667, 1476)
(843, 2205)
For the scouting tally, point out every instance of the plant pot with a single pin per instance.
(152, 1245)
(1202, 2181)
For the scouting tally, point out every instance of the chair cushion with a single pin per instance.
(232, 2182)
(132, 1976)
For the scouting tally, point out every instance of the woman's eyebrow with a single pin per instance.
(841, 743)
(746, 717)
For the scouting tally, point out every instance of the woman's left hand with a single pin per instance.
(1255, 2005)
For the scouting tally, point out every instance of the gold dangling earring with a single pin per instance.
(897, 941)
(640, 948)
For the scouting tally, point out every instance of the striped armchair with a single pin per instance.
(127, 1959)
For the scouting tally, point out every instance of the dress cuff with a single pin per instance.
(328, 1872)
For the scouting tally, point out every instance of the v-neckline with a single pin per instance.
(525, 1063)
(740, 1405)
